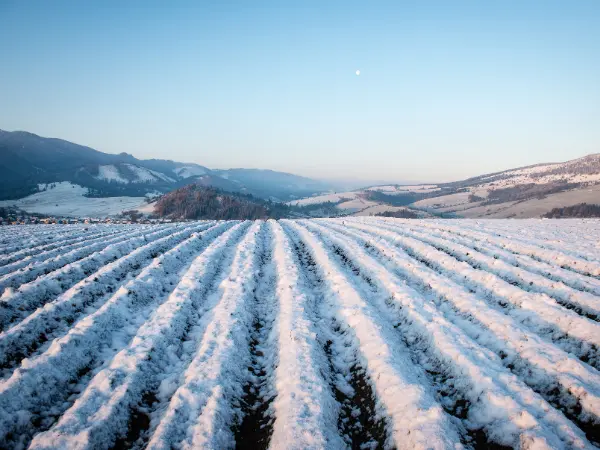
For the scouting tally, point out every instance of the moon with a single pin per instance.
(357, 72)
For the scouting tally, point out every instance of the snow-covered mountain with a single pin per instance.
(129, 173)
(28, 160)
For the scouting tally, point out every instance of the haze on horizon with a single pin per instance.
(446, 90)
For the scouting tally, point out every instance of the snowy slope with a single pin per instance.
(189, 171)
(401, 189)
(66, 199)
(335, 333)
(138, 174)
(352, 195)
(110, 172)
(357, 202)
(535, 191)
(333, 198)
(580, 170)
(143, 175)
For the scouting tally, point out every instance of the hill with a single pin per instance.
(199, 202)
(28, 160)
(524, 192)
(520, 193)
(70, 200)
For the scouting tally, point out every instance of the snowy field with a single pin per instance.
(334, 333)
(66, 199)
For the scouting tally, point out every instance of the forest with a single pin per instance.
(199, 202)
(580, 210)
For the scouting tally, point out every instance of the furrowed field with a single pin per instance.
(332, 333)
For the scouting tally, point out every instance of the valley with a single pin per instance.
(51, 176)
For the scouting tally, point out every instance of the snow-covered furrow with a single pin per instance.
(468, 370)
(540, 313)
(554, 255)
(255, 429)
(12, 237)
(33, 268)
(546, 234)
(358, 332)
(96, 418)
(31, 243)
(562, 238)
(304, 408)
(23, 269)
(27, 249)
(584, 303)
(551, 233)
(204, 408)
(18, 303)
(90, 343)
(415, 418)
(51, 259)
(358, 423)
(496, 248)
(107, 401)
(560, 378)
(54, 319)
(15, 238)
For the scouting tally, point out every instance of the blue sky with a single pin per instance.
(447, 89)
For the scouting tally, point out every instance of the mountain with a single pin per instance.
(28, 160)
(267, 182)
(47, 173)
(524, 192)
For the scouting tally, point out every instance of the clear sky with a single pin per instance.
(447, 89)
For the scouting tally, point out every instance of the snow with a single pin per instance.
(355, 205)
(300, 387)
(353, 201)
(570, 171)
(454, 352)
(68, 200)
(417, 421)
(147, 208)
(200, 410)
(359, 332)
(141, 174)
(534, 207)
(378, 209)
(518, 178)
(107, 397)
(444, 201)
(356, 202)
(144, 175)
(189, 171)
(110, 173)
(496, 280)
(333, 198)
(582, 174)
(400, 189)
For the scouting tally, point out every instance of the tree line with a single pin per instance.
(581, 210)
